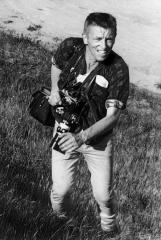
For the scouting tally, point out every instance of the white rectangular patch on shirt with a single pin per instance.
(81, 78)
(100, 80)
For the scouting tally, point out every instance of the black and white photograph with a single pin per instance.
(80, 120)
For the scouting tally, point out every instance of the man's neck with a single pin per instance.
(90, 61)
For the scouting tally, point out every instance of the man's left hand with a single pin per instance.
(69, 142)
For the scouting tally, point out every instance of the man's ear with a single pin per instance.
(85, 38)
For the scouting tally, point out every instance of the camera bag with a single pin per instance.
(40, 109)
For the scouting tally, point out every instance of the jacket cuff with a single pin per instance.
(114, 103)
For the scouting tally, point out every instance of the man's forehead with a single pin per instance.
(98, 30)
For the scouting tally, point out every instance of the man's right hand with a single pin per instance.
(54, 98)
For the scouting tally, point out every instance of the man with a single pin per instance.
(108, 98)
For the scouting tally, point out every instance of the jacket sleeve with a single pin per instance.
(64, 52)
(119, 87)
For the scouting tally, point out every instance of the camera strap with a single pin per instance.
(88, 85)
(88, 82)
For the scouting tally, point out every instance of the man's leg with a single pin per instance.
(100, 163)
(62, 177)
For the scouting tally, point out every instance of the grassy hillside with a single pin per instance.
(25, 172)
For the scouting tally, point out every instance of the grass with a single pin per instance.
(34, 27)
(25, 173)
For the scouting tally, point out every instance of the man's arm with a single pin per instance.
(69, 142)
(54, 97)
(102, 126)
(64, 52)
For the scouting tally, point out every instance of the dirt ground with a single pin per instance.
(139, 24)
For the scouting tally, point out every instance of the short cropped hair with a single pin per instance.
(101, 19)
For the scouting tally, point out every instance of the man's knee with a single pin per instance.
(60, 189)
(60, 199)
(103, 197)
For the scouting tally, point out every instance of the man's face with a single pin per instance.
(99, 42)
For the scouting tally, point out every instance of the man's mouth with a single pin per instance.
(103, 52)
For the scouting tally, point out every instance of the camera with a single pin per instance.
(64, 126)
(67, 122)
(67, 115)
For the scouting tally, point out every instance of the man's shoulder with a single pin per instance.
(72, 43)
(115, 61)
(115, 68)
(66, 49)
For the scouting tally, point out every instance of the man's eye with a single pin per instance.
(98, 39)
(109, 40)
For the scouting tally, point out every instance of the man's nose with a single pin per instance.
(103, 44)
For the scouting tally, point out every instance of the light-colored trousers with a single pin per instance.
(99, 160)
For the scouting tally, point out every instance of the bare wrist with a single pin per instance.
(84, 136)
(81, 137)
(55, 90)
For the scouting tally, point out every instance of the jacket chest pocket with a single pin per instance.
(100, 92)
